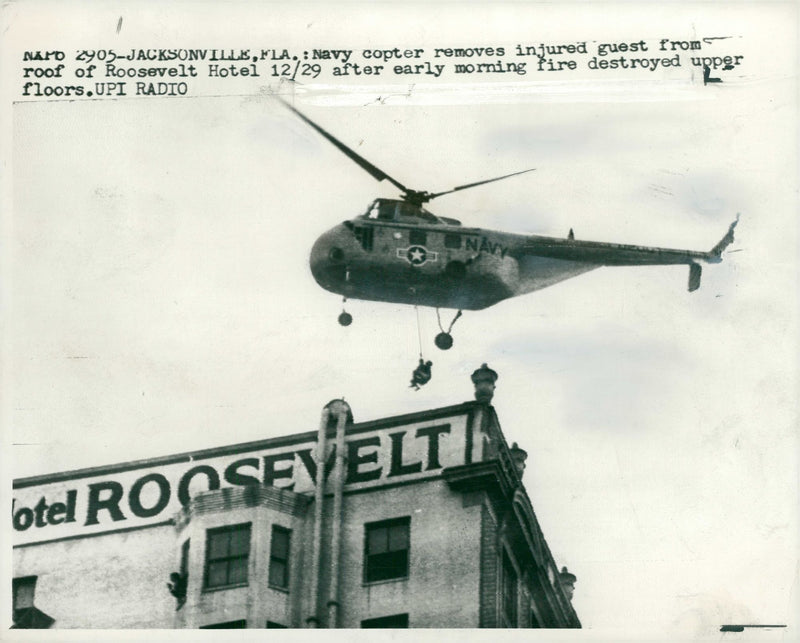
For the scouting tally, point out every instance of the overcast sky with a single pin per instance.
(158, 297)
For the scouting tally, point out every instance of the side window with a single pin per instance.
(417, 237)
(510, 592)
(452, 241)
(386, 550)
(365, 236)
(227, 555)
(279, 557)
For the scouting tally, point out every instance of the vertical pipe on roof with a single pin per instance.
(313, 618)
(343, 412)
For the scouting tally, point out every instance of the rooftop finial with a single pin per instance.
(567, 580)
(484, 379)
(518, 456)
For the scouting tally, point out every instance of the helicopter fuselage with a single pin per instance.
(398, 252)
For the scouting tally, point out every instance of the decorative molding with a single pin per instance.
(230, 498)
(489, 475)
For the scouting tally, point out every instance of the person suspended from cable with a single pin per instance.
(422, 374)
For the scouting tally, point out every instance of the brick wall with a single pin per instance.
(488, 570)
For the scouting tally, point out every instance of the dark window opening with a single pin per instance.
(408, 210)
(25, 615)
(510, 592)
(417, 237)
(386, 210)
(365, 236)
(227, 555)
(279, 557)
(452, 241)
(272, 625)
(386, 555)
(230, 625)
(24, 589)
(386, 622)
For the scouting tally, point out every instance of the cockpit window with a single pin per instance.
(387, 210)
(383, 210)
(408, 210)
(372, 211)
(390, 210)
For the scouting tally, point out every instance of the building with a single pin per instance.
(422, 521)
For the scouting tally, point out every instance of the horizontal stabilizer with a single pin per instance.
(725, 241)
(695, 272)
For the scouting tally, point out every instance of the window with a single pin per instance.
(417, 237)
(395, 621)
(386, 555)
(386, 210)
(23, 589)
(230, 625)
(452, 241)
(510, 598)
(227, 554)
(279, 557)
(25, 615)
(272, 625)
(365, 236)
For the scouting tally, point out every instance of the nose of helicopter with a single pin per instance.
(329, 257)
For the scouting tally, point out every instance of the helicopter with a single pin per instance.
(399, 252)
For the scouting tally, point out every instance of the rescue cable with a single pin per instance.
(419, 332)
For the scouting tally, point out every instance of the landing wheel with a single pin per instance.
(345, 319)
(443, 341)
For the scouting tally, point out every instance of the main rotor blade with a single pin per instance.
(472, 185)
(376, 172)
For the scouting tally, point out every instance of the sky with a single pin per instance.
(157, 296)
